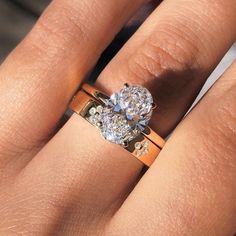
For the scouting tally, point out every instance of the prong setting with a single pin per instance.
(126, 85)
(154, 106)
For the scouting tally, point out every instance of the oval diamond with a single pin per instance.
(126, 114)
(136, 102)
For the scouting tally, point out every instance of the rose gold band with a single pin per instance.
(145, 147)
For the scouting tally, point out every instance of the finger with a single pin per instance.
(71, 186)
(40, 76)
(172, 54)
(191, 189)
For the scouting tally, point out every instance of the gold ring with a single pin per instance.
(122, 118)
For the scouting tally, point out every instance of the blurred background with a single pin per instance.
(17, 17)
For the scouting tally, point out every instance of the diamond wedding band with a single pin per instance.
(122, 118)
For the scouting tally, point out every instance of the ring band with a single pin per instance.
(92, 104)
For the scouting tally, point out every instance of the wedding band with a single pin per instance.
(122, 118)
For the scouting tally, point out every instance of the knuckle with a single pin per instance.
(60, 28)
(166, 49)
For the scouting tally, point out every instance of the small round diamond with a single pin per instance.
(99, 109)
(92, 111)
(138, 145)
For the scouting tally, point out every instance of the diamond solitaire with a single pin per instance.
(135, 102)
(126, 114)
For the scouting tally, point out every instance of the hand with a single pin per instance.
(72, 182)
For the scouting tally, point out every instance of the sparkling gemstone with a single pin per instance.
(126, 114)
(135, 102)
(94, 115)
(138, 145)
(92, 111)
(141, 148)
(99, 109)
(116, 128)
(94, 119)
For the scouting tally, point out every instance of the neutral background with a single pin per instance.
(18, 16)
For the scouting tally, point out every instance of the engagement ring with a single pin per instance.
(122, 118)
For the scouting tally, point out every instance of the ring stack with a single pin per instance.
(122, 118)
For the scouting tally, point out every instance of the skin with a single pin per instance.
(71, 181)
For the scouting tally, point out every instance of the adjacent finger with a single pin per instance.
(191, 188)
(40, 76)
(172, 54)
